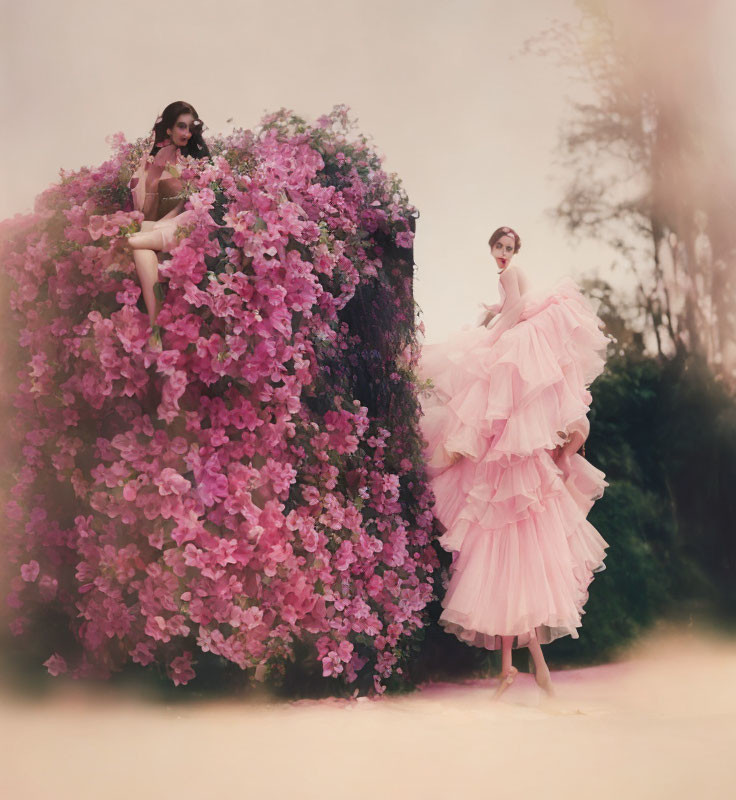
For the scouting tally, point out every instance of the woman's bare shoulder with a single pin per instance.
(519, 275)
(166, 154)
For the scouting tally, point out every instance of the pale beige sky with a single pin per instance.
(467, 122)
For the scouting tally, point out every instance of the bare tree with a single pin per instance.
(648, 167)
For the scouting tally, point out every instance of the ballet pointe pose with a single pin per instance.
(509, 672)
(156, 189)
(541, 670)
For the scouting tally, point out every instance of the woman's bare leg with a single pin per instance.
(146, 239)
(541, 670)
(506, 642)
(146, 265)
(508, 671)
(144, 246)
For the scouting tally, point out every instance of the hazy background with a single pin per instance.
(468, 122)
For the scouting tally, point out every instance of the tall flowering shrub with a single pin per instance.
(256, 483)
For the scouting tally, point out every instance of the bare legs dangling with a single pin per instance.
(541, 670)
(144, 246)
(146, 264)
(509, 672)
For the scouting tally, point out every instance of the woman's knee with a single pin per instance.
(148, 240)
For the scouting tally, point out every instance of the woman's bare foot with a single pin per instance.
(505, 680)
(538, 665)
(544, 681)
(154, 340)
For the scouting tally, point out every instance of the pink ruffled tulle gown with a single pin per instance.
(503, 398)
(154, 190)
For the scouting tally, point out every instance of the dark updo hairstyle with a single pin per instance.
(195, 146)
(499, 232)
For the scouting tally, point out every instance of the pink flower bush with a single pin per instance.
(259, 481)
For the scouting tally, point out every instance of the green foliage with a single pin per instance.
(664, 432)
(634, 588)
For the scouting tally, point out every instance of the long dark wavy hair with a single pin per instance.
(195, 146)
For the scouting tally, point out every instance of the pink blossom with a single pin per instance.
(171, 482)
(404, 239)
(234, 484)
(142, 654)
(29, 571)
(55, 664)
(331, 664)
(180, 669)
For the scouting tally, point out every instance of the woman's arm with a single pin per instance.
(162, 159)
(511, 306)
(510, 290)
(513, 291)
(488, 313)
(574, 442)
(576, 434)
(165, 156)
(511, 287)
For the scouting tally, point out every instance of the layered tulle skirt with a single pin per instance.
(514, 512)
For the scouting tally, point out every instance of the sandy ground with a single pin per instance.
(660, 724)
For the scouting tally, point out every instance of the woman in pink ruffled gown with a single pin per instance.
(503, 422)
(155, 187)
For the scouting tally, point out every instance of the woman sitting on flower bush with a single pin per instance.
(177, 133)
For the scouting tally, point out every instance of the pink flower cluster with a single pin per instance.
(227, 495)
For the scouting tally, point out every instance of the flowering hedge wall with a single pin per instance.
(256, 483)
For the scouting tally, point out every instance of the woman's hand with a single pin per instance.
(574, 442)
(489, 312)
(556, 453)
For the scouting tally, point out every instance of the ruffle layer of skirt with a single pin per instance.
(519, 393)
(520, 576)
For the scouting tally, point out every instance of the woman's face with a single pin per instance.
(503, 250)
(181, 133)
